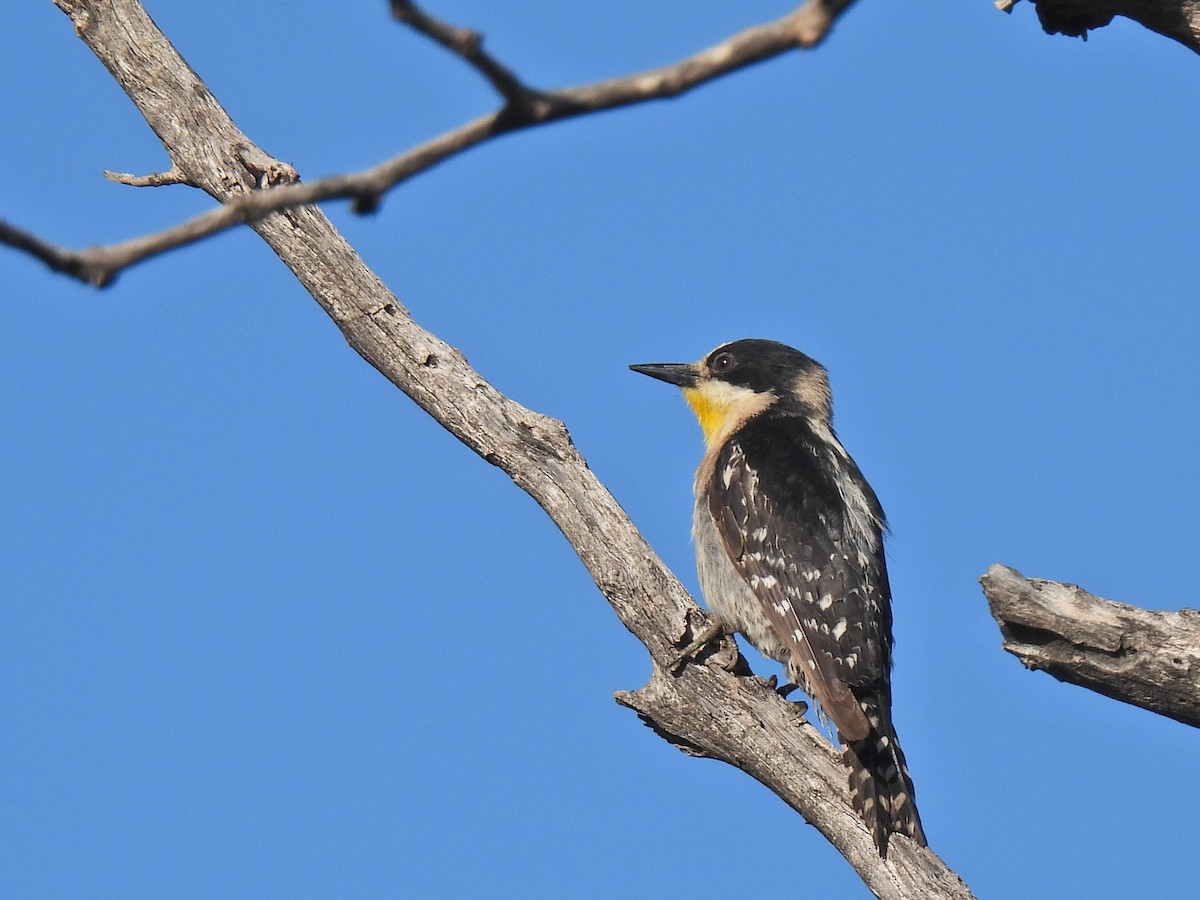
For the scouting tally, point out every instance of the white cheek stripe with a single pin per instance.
(723, 394)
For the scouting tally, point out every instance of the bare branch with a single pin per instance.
(156, 179)
(708, 708)
(99, 266)
(1150, 659)
(70, 262)
(1176, 19)
(465, 43)
(804, 27)
(741, 721)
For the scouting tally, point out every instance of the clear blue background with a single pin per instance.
(267, 631)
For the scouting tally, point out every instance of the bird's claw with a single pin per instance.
(713, 631)
(786, 689)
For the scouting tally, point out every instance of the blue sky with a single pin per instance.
(268, 631)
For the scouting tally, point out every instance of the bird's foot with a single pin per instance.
(715, 630)
(786, 689)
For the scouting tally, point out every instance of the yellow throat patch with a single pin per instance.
(721, 407)
(710, 413)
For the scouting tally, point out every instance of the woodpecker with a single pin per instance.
(789, 551)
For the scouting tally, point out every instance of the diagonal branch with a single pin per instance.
(708, 709)
(804, 27)
(1147, 658)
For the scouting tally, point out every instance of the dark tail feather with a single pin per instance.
(881, 790)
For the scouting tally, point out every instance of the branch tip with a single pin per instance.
(1138, 656)
(155, 179)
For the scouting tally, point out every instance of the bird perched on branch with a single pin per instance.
(789, 549)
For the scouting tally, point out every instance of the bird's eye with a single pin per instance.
(722, 362)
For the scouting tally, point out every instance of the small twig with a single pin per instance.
(465, 43)
(804, 27)
(155, 179)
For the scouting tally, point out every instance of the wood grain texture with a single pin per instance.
(1143, 657)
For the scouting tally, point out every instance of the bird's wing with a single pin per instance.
(788, 540)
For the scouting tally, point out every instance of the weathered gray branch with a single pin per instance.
(1147, 658)
(1176, 19)
(805, 27)
(710, 709)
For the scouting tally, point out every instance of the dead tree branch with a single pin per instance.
(1176, 19)
(805, 27)
(81, 264)
(466, 43)
(709, 709)
(1147, 658)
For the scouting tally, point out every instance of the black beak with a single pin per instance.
(682, 374)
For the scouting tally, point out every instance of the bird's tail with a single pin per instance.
(881, 789)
